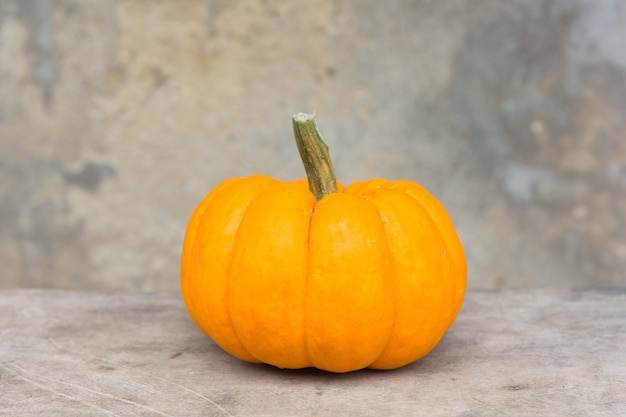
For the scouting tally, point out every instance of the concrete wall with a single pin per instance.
(116, 117)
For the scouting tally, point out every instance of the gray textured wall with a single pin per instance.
(116, 117)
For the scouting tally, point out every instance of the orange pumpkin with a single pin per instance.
(314, 274)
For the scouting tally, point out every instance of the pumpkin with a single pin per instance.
(314, 274)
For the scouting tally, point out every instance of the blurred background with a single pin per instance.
(117, 117)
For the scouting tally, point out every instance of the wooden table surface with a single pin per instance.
(510, 353)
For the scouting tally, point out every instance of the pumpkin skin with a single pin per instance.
(370, 276)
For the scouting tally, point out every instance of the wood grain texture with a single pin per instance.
(530, 353)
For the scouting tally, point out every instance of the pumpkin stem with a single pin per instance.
(315, 156)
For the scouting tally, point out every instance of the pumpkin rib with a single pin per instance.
(307, 286)
(308, 344)
(448, 233)
(306, 316)
(307, 278)
(410, 338)
(394, 275)
(229, 279)
(367, 192)
(266, 275)
(348, 245)
(447, 252)
(217, 323)
(189, 245)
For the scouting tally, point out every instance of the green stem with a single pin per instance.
(315, 156)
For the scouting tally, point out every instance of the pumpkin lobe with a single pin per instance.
(267, 277)
(207, 287)
(349, 297)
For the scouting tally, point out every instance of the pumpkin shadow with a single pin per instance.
(311, 374)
